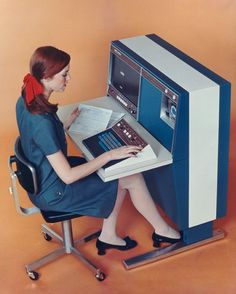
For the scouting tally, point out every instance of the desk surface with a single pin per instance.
(164, 157)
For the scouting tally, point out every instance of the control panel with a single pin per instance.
(121, 134)
(128, 134)
(125, 103)
(168, 111)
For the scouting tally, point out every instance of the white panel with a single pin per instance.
(203, 155)
(172, 66)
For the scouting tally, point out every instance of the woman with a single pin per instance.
(70, 183)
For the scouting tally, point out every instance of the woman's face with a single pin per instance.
(58, 82)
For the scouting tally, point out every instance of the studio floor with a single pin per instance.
(207, 269)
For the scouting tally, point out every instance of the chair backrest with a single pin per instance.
(25, 172)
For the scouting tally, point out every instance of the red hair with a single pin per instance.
(45, 63)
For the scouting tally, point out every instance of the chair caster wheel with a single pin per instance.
(100, 276)
(47, 237)
(33, 275)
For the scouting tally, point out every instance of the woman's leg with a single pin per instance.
(108, 233)
(144, 203)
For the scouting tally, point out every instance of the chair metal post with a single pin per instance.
(67, 235)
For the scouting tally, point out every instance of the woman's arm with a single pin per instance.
(70, 174)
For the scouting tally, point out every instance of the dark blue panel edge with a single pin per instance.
(198, 233)
(223, 158)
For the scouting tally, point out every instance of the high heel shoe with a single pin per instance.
(158, 239)
(102, 246)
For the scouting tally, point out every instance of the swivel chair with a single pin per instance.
(23, 172)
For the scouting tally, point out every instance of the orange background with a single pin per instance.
(205, 30)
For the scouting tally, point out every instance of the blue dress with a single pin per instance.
(42, 135)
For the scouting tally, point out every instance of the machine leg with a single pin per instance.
(168, 251)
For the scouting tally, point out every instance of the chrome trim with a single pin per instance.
(168, 251)
(14, 192)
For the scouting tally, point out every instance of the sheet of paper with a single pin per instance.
(91, 120)
(115, 117)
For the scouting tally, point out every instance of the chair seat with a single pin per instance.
(58, 216)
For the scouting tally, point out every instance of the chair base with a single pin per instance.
(67, 247)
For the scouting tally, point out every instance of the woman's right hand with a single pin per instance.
(123, 152)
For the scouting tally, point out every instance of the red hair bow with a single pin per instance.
(32, 88)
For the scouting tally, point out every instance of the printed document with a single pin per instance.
(91, 120)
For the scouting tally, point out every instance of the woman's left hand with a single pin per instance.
(74, 114)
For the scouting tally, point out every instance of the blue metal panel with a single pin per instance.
(198, 233)
(175, 140)
(181, 182)
(181, 135)
(168, 186)
(149, 114)
(223, 156)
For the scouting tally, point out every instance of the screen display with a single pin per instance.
(125, 79)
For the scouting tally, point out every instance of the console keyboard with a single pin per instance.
(121, 134)
(109, 141)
